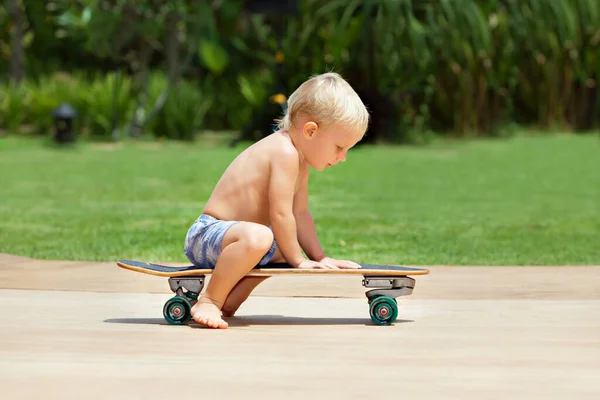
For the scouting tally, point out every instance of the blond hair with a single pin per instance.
(330, 100)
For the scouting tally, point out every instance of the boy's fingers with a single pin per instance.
(350, 264)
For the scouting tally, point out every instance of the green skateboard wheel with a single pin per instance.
(371, 299)
(383, 310)
(177, 310)
(192, 296)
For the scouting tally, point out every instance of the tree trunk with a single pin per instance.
(172, 47)
(175, 67)
(17, 69)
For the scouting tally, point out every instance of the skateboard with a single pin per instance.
(386, 283)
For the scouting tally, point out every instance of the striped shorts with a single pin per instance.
(204, 240)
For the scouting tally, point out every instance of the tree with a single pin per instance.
(17, 59)
(131, 33)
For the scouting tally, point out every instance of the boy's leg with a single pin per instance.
(243, 246)
(244, 287)
(240, 293)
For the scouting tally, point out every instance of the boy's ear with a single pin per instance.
(310, 130)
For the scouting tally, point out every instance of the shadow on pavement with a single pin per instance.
(257, 320)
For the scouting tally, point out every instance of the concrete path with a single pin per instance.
(91, 330)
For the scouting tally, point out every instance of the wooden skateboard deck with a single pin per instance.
(387, 283)
(270, 269)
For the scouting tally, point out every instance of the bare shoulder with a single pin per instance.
(282, 153)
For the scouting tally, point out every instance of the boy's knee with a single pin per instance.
(259, 239)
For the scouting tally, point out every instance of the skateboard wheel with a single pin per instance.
(383, 310)
(192, 296)
(371, 299)
(177, 310)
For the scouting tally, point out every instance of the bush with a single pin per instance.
(12, 107)
(184, 111)
(454, 67)
(103, 102)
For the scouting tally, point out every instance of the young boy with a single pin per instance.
(258, 212)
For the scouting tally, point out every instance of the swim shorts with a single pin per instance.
(204, 240)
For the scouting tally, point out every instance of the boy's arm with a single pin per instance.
(307, 234)
(283, 174)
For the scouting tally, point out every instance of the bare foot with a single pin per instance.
(206, 312)
(240, 293)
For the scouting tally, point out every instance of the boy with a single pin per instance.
(258, 211)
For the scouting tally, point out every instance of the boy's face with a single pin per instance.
(324, 148)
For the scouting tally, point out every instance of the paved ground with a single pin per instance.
(94, 331)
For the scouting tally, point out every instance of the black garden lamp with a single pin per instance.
(63, 123)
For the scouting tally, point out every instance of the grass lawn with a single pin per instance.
(523, 201)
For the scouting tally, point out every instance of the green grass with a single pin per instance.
(523, 201)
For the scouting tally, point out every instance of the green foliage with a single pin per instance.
(12, 106)
(100, 101)
(457, 67)
(213, 56)
(183, 113)
(105, 101)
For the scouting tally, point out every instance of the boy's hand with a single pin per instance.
(333, 263)
(309, 264)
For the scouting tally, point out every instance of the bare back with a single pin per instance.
(242, 192)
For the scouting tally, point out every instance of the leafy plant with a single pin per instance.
(454, 67)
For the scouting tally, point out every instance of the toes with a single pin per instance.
(208, 315)
(223, 324)
(220, 324)
(211, 323)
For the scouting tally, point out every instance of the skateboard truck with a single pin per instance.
(383, 306)
(392, 286)
(177, 310)
(189, 287)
